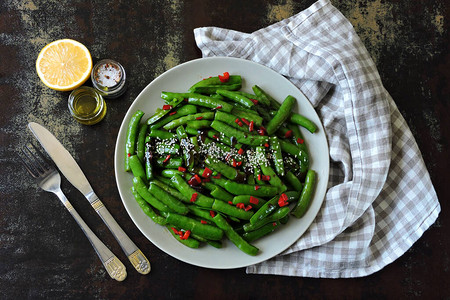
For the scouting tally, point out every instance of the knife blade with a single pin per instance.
(72, 171)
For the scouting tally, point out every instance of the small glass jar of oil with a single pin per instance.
(86, 105)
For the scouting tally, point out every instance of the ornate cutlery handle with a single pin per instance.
(112, 264)
(134, 254)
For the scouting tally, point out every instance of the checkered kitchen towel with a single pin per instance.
(380, 198)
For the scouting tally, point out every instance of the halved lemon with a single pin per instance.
(64, 65)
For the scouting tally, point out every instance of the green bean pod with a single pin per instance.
(249, 189)
(281, 116)
(297, 152)
(137, 168)
(199, 100)
(267, 170)
(187, 192)
(265, 98)
(276, 216)
(141, 188)
(306, 195)
(265, 210)
(230, 120)
(247, 114)
(172, 163)
(234, 237)
(245, 199)
(204, 230)
(169, 173)
(140, 143)
(221, 194)
(164, 135)
(231, 210)
(147, 209)
(148, 157)
(224, 169)
(261, 232)
(189, 118)
(184, 110)
(242, 137)
(277, 155)
(130, 144)
(234, 80)
(172, 202)
(303, 121)
(161, 113)
(293, 181)
(189, 242)
(236, 97)
(169, 189)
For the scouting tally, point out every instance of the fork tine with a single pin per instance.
(34, 162)
(43, 162)
(27, 162)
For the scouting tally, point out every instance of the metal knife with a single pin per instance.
(72, 171)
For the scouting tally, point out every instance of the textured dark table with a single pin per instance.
(43, 253)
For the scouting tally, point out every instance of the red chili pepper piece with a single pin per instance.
(266, 145)
(216, 137)
(225, 77)
(194, 180)
(166, 159)
(181, 169)
(257, 187)
(199, 118)
(240, 205)
(217, 176)
(265, 177)
(300, 141)
(250, 127)
(239, 163)
(241, 151)
(248, 207)
(254, 101)
(172, 113)
(167, 106)
(207, 172)
(218, 107)
(212, 213)
(234, 163)
(261, 132)
(282, 201)
(186, 235)
(254, 200)
(274, 224)
(247, 122)
(129, 154)
(259, 177)
(203, 222)
(230, 202)
(236, 121)
(288, 134)
(194, 197)
(240, 124)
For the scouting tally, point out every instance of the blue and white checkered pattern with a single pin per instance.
(380, 198)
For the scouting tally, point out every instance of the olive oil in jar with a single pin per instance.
(87, 106)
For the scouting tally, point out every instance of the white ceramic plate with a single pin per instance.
(179, 79)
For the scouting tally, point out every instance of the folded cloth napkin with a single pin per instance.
(380, 198)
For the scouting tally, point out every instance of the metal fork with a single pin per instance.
(48, 178)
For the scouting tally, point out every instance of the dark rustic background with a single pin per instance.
(43, 253)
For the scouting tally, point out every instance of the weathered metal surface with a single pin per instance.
(408, 41)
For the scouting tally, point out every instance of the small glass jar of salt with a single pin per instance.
(108, 77)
